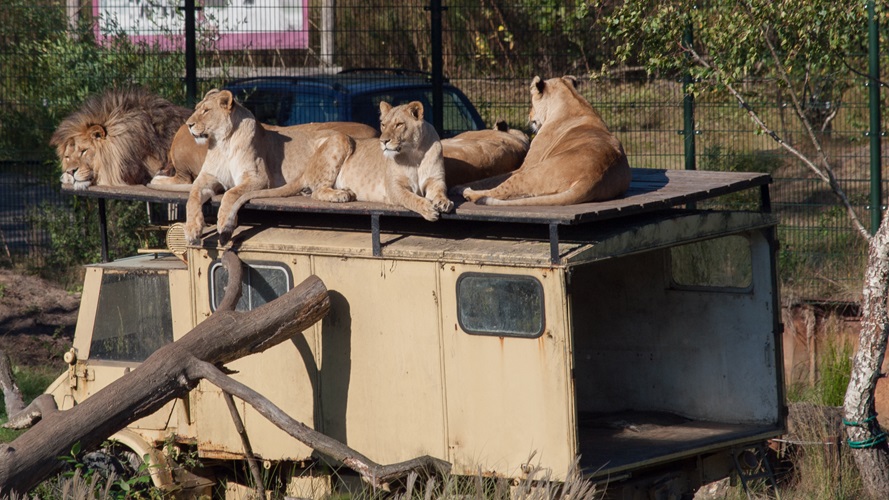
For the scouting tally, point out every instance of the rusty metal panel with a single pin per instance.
(508, 397)
(286, 374)
(380, 366)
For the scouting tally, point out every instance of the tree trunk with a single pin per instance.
(165, 375)
(867, 441)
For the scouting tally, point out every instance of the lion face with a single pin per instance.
(211, 119)
(79, 160)
(401, 128)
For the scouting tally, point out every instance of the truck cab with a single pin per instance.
(637, 338)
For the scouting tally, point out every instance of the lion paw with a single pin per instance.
(471, 195)
(334, 195)
(443, 205)
(81, 185)
(428, 211)
(193, 233)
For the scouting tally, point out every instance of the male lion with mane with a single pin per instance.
(245, 157)
(574, 158)
(117, 138)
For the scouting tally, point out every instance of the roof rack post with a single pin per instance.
(375, 235)
(554, 244)
(103, 229)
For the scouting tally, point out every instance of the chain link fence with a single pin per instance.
(53, 54)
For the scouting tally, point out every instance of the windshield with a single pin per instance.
(456, 116)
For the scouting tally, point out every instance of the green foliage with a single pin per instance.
(808, 41)
(131, 484)
(63, 69)
(31, 381)
(74, 231)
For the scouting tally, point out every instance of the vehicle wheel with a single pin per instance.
(114, 459)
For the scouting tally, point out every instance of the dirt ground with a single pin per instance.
(37, 319)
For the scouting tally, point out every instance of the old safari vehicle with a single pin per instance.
(638, 336)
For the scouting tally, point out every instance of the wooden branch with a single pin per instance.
(370, 471)
(12, 396)
(43, 405)
(233, 290)
(252, 462)
(165, 375)
(825, 174)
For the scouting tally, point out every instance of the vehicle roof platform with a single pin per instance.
(651, 190)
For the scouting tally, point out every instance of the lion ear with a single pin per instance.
(537, 85)
(415, 108)
(570, 79)
(385, 107)
(226, 99)
(96, 132)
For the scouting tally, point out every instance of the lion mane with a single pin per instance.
(121, 137)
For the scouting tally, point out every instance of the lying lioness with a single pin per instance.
(403, 167)
(574, 158)
(479, 154)
(243, 156)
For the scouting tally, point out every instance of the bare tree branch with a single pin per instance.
(370, 471)
(825, 174)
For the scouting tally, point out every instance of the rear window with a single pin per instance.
(718, 264)
(133, 317)
(261, 283)
(501, 305)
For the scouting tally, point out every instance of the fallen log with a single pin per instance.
(175, 369)
(165, 375)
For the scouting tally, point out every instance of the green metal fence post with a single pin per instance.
(876, 181)
(688, 109)
(435, 9)
(191, 77)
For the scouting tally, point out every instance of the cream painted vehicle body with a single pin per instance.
(646, 344)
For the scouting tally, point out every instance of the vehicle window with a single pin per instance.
(262, 283)
(268, 106)
(133, 317)
(724, 263)
(456, 116)
(308, 108)
(502, 305)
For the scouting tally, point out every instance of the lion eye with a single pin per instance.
(83, 152)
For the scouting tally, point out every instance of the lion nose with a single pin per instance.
(71, 171)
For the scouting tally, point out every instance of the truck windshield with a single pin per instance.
(133, 317)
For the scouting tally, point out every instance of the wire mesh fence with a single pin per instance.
(54, 54)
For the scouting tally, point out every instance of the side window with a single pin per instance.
(133, 317)
(270, 107)
(262, 283)
(501, 305)
(722, 263)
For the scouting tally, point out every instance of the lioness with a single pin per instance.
(243, 156)
(574, 158)
(184, 160)
(117, 138)
(479, 154)
(404, 167)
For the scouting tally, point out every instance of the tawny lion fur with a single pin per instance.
(244, 157)
(574, 158)
(117, 138)
(403, 167)
(479, 154)
(186, 156)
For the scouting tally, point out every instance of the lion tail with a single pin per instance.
(291, 189)
(179, 188)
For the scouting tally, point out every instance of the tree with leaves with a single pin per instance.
(801, 45)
